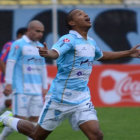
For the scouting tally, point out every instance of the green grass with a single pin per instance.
(120, 123)
(116, 124)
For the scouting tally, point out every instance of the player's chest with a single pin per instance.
(30, 50)
(84, 50)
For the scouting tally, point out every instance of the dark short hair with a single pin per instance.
(21, 31)
(68, 19)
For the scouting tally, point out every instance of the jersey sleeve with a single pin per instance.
(63, 45)
(98, 52)
(15, 51)
(9, 72)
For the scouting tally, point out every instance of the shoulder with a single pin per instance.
(68, 38)
(17, 43)
(39, 44)
(91, 39)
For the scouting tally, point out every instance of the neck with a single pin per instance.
(83, 33)
(29, 36)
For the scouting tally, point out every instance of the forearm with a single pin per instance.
(49, 54)
(115, 55)
(9, 71)
(53, 54)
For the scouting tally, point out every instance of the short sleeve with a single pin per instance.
(98, 52)
(15, 51)
(63, 45)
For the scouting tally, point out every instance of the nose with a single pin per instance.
(86, 15)
(41, 34)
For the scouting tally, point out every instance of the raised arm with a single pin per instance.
(133, 52)
(44, 52)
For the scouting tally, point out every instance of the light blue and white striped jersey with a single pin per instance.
(76, 56)
(29, 67)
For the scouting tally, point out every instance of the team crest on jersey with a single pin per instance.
(15, 50)
(66, 40)
(16, 47)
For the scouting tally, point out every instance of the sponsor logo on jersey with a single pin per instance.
(68, 93)
(35, 59)
(66, 40)
(31, 69)
(79, 73)
(86, 62)
(15, 49)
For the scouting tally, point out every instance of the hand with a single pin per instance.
(43, 51)
(8, 89)
(135, 52)
(44, 92)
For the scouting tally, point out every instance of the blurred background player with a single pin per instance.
(26, 75)
(5, 101)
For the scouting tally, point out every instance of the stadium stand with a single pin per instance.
(67, 2)
(25, 2)
(112, 1)
(88, 2)
(131, 1)
(28, 2)
(45, 2)
(8, 2)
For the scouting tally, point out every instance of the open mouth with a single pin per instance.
(87, 19)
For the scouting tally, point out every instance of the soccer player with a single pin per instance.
(5, 101)
(26, 74)
(75, 54)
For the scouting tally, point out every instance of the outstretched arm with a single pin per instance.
(133, 52)
(44, 52)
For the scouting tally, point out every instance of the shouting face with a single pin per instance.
(79, 19)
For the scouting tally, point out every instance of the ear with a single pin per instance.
(71, 23)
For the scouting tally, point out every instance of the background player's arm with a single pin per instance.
(13, 56)
(8, 77)
(133, 52)
(2, 66)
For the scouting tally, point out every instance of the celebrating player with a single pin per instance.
(75, 54)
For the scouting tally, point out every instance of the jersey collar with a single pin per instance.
(77, 34)
(26, 38)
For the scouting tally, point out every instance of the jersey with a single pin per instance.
(4, 55)
(74, 64)
(28, 71)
